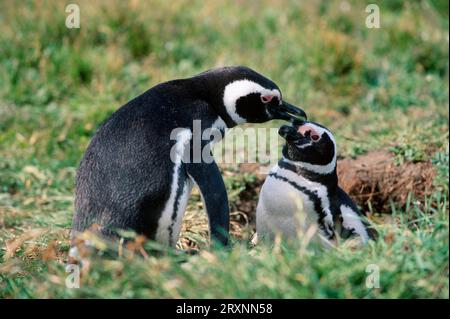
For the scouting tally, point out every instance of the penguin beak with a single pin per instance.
(289, 112)
(289, 133)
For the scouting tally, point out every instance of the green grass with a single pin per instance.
(375, 88)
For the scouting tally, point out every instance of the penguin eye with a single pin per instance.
(266, 98)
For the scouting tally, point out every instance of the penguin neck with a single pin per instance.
(329, 180)
(209, 86)
(224, 116)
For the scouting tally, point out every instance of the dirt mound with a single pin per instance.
(375, 179)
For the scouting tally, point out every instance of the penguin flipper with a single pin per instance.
(212, 187)
(353, 219)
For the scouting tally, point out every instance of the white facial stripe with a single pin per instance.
(319, 169)
(240, 88)
(352, 220)
(304, 145)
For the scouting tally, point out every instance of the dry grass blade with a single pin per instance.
(15, 243)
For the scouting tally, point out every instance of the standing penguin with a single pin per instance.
(305, 180)
(139, 169)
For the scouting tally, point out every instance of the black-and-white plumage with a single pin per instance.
(305, 180)
(139, 169)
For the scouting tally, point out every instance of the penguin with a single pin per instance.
(305, 179)
(141, 164)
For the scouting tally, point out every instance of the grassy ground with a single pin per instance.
(375, 88)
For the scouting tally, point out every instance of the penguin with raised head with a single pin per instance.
(138, 171)
(305, 180)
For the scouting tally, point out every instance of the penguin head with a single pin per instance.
(249, 97)
(310, 146)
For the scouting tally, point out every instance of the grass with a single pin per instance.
(375, 88)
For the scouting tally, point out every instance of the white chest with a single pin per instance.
(286, 206)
